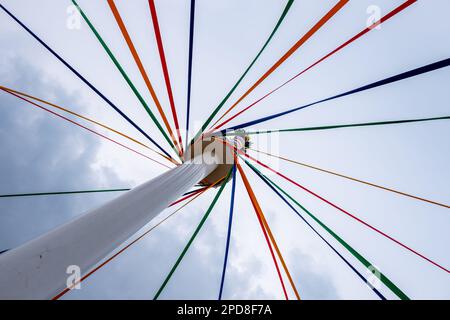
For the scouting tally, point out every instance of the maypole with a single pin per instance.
(38, 269)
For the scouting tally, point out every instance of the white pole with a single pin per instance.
(38, 269)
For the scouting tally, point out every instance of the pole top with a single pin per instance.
(209, 147)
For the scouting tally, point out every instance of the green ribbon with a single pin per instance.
(342, 126)
(396, 290)
(191, 240)
(214, 113)
(60, 193)
(125, 76)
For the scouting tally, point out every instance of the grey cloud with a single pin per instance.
(42, 153)
(39, 153)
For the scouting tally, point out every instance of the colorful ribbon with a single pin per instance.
(112, 105)
(191, 240)
(345, 44)
(225, 99)
(347, 213)
(86, 128)
(290, 52)
(264, 230)
(141, 68)
(230, 224)
(14, 195)
(354, 179)
(272, 186)
(191, 49)
(165, 69)
(366, 124)
(90, 273)
(123, 73)
(405, 75)
(89, 120)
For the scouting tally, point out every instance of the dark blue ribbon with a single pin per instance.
(402, 76)
(84, 80)
(315, 231)
(230, 223)
(191, 49)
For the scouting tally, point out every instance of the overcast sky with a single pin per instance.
(40, 152)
